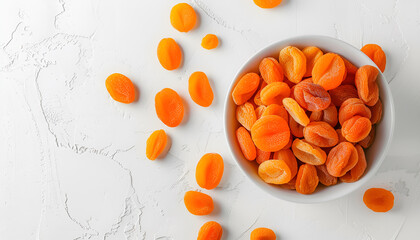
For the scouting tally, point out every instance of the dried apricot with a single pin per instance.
(289, 158)
(367, 141)
(293, 62)
(245, 88)
(330, 115)
(246, 144)
(198, 203)
(262, 156)
(324, 177)
(257, 96)
(312, 54)
(267, 3)
(340, 136)
(209, 170)
(320, 134)
(377, 55)
(274, 93)
(329, 71)
(351, 69)
(169, 54)
(259, 111)
(341, 159)
(245, 114)
(210, 231)
(307, 179)
(263, 234)
(376, 111)
(295, 128)
(356, 128)
(271, 71)
(270, 133)
(367, 87)
(353, 107)
(291, 185)
(357, 171)
(311, 96)
(342, 93)
(200, 89)
(183, 17)
(378, 199)
(308, 153)
(155, 144)
(275, 109)
(210, 41)
(296, 111)
(169, 107)
(274, 172)
(120, 88)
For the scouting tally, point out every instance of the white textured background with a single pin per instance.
(72, 160)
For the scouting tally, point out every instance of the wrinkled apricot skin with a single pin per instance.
(270, 133)
(245, 114)
(377, 55)
(259, 111)
(330, 115)
(155, 144)
(357, 171)
(308, 153)
(245, 88)
(274, 93)
(295, 128)
(209, 171)
(351, 69)
(320, 134)
(262, 234)
(262, 156)
(367, 141)
(200, 89)
(271, 71)
(367, 87)
(341, 159)
(312, 55)
(307, 179)
(210, 231)
(274, 172)
(257, 96)
(293, 62)
(296, 111)
(353, 107)
(120, 88)
(324, 177)
(342, 93)
(378, 199)
(183, 17)
(287, 156)
(275, 109)
(329, 71)
(341, 138)
(198, 203)
(245, 143)
(169, 54)
(169, 107)
(267, 3)
(376, 111)
(356, 129)
(210, 41)
(311, 96)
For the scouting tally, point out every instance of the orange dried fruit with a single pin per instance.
(353, 107)
(210, 41)
(210, 231)
(312, 54)
(267, 3)
(270, 133)
(307, 179)
(245, 88)
(271, 71)
(263, 234)
(198, 203)
(274, 172)
(200, 89)
(376, 111)
(311, 96)
(357, 171)
(329, 71)
(367, 141)
(342, 93)
(367, 87)
(320, 134)
(183, 17)
(274, 93)
(293, 62)
(169, 54)
(356, 128)
(295, 128)
(120, 88)
(377, 55)
(287, 156)
(169, 107)
(259, 111)
(341, 159)
(262, 156)
(324, 177)
(275, 109)
(246, 144)
(245, 114)
(296, 111)
(308, 153)
(378, 199)
(155, 144)
(209, 171)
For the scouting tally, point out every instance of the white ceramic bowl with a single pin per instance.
(375, 155)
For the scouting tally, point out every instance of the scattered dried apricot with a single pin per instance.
(120, 88)
(378, 199)
(183, 17)
(210, 231)
(210, 41)
(155, 144)
(267, 3)
(198, 203)
(377, 55)
(209, 171)
(169, 107)
(263, 234)
(169, 54)
(200, 89)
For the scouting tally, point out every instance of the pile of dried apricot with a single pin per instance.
(307, 117)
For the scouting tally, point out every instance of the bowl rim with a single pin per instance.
(367, 176)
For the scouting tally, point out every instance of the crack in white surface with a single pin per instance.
(63, 10)
(87, 228)
(252, 225)
(12, 36)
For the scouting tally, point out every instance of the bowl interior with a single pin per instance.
(374, 155)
